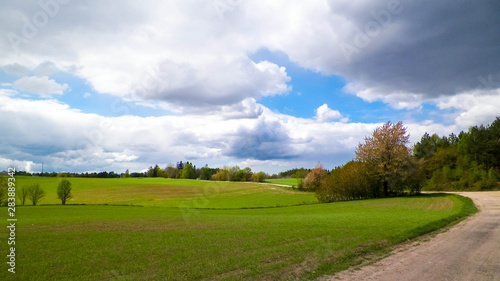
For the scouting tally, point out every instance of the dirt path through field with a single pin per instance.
(468, 251)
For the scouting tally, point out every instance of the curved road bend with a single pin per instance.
(468, 251)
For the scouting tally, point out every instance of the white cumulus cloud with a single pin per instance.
(326, 114)
(474, 107)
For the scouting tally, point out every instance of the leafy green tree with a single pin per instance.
(36, 194)
(300, 173)
(153, 172)
(429, 145)
(156, 171)
(232, 172)
(188, 171)
(483, 144)
(493, 175)
(413, 177)
(294, 173)
(243, 175)
(259, 177)
(426, 147)
(205, 173)
(64, 191)
(443, 157)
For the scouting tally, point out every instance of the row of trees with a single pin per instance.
(34, 192)
(294, 173)
(469, 161)
(385, 166)
(182, 170)
(234, 173)
(189, 171)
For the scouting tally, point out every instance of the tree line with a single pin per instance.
(190, 171)
(182, 170)
(297, 173)
(385, 165)
(469, 161)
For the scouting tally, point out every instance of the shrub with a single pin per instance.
(314, 178)
(349, 182)
(221, 175)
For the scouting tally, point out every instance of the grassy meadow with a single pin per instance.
(286, 181)
(183, 231)
(160, 192)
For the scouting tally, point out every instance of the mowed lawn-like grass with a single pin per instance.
(162, 192)
(96, 242)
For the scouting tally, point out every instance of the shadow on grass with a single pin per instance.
(430, 195)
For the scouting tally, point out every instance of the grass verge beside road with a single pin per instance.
(146, 243)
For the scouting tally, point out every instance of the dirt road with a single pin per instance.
(468, 251)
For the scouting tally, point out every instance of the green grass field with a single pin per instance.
(288, 181)
(162, 192)
(179, 242)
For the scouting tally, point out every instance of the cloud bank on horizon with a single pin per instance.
(90, 86)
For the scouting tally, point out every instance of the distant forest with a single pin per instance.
(469, 161)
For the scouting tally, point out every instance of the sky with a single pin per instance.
(272, 85)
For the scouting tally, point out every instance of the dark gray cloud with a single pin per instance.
(267, 140)
(432, 48)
